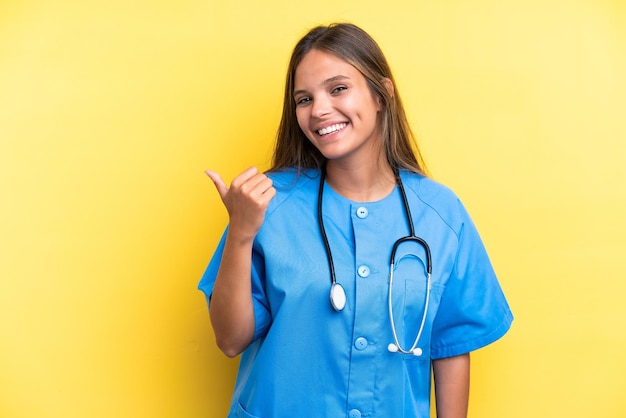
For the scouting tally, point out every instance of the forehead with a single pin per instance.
(318, 66)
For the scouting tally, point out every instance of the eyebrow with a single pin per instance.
(325, 82)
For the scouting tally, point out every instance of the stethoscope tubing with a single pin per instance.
(337, 293)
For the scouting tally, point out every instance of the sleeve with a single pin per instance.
(473, 311)
(262, 314)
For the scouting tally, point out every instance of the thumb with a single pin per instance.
(221, 187)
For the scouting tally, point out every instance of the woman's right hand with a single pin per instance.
(231, 307)
(246, 201)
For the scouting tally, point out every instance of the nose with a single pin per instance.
(321, 106)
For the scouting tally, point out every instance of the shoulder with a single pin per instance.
(291, 177)
(436, 197)
(427, 189)
(292, 185)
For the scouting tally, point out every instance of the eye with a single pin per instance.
(302, 100)
(338, 89)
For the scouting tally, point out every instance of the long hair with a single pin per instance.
(356, 47)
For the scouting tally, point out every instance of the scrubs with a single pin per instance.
(306, 359)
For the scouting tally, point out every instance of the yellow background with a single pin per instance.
(110, 111)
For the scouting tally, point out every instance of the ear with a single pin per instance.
(390, 91)
(389, 86)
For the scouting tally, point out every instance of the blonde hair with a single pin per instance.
(355, 46)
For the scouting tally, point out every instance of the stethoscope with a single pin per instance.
(337, 292)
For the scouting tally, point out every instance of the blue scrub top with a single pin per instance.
(309, 360)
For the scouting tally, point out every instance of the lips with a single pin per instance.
(331, 129)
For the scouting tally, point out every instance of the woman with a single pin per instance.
(347, 210)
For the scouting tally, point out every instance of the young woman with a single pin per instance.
(345, 273)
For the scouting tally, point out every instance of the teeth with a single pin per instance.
(332, 128)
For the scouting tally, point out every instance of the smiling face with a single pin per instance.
(336, 109)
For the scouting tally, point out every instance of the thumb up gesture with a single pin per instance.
(246, 200)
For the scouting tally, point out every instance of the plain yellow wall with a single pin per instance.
(110, 112)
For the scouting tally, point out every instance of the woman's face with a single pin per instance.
(335, 108)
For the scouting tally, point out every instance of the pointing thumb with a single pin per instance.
(221, 187)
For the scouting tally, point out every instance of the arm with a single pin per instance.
(231, 308)
(452, 386)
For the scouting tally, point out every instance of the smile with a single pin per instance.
(332, 128)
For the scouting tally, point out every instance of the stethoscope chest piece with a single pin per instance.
(337, 296)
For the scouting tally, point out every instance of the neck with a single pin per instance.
(365, 183)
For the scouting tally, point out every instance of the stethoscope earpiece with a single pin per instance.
(417, 352)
